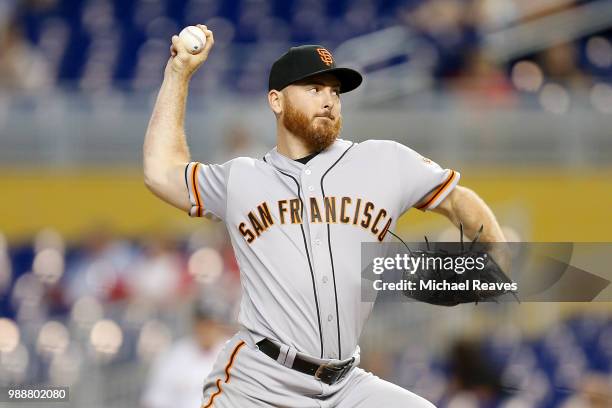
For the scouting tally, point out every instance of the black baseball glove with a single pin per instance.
(443, 278)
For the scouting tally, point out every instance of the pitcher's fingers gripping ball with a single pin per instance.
(183, 60)
(193, 38)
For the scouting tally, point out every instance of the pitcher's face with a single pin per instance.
(311, 110)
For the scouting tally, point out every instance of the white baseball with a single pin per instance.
(193, 38)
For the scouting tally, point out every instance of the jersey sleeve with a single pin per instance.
(420, 176)
(207, 187)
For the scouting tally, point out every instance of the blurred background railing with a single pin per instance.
(67, 129)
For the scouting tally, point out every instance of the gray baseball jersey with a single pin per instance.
(297, 230)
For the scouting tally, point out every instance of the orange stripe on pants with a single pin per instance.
(228, 367)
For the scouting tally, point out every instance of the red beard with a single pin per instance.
(317, 134)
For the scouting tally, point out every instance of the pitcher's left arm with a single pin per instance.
(463, 205)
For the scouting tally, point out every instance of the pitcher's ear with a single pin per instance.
(275, 100)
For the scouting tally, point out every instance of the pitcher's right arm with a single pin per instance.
(165, 150)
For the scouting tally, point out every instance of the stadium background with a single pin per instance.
(94, 271)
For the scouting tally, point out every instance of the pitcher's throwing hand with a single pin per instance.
(182, 61)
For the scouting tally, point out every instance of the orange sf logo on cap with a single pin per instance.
(326, 56)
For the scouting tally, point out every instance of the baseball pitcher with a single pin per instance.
(296, 219)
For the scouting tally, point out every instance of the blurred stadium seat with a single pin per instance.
(75, 34)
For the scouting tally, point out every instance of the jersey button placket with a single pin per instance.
(322, 266)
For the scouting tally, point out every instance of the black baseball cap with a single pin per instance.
(306, 61)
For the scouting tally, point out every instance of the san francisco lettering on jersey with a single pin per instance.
(330, 210)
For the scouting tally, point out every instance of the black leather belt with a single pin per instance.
(327, 373)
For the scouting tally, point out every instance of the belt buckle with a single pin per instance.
(330, 374)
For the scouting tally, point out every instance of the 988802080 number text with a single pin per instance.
(33, 393)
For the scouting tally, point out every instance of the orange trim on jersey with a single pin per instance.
(194, 172)
(228, 367)
(441, 190)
